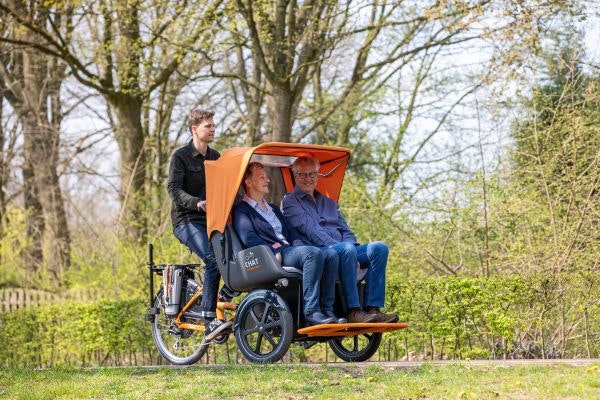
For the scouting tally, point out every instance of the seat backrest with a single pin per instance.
(236, 244)
(247, 269)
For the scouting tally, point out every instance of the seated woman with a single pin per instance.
(258, 222)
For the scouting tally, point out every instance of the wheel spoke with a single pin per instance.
(273, 324)
(265, 313)
(254, 316)
(258, 343)
(250, 331)
(355, 340)
(270, 339)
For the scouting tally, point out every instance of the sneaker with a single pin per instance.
(360, 316)
(338, 320)
(383, 317)
(215, 328)
(318, 318)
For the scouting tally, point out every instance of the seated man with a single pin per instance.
(258, 222)
(320, 223)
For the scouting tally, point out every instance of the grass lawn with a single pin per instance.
(455, 381)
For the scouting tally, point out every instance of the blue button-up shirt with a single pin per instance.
(318, 220)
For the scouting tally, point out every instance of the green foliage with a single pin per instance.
(556, 165)
(101, 333)
(519, 316)
(373, 219)
(12, 242)
(118, 267)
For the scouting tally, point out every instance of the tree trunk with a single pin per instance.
(3, 169)
(40, 117)
(31, 82)
(41, 154)
(279, 107)
(33, 86)
(130, 138)
(32, 255)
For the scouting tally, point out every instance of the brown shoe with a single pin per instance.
(360, 316)
(383, 317)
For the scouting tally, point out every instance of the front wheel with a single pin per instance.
(356, 348)
(177, 346)
(263, 327)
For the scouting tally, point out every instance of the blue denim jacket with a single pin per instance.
(320, 223)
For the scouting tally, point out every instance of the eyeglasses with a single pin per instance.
(304, 175)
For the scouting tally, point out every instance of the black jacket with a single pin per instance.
(187, 184)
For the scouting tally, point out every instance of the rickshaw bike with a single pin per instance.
(269, 318)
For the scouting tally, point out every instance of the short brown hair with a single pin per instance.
(197, 116)
(250, 170)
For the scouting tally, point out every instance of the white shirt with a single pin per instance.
(268, 215)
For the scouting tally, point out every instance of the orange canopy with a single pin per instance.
(224, 176)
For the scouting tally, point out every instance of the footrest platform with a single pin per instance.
(350, 329)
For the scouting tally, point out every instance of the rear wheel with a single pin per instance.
(177, 346)
(356, 348)
(263, 327)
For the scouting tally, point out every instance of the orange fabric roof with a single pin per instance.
(224, 176)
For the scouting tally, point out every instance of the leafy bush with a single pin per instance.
(101, 333)
(518, 316)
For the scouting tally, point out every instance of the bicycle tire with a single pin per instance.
(178, 347)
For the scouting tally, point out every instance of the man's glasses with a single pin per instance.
(304, 175)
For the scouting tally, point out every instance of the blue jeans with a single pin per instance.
(372, 256)
(194, 236)
(330, 275)
(309, 259)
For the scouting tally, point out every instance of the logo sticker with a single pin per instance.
(251, 261)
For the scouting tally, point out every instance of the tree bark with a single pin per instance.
(286, 43)
(31, 82)
(3, 169)
(279, 105)
(39, 114)
(130, 138)
(46, 201)
(122, 66)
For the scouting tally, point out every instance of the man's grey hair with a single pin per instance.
(305, 160)
(197, 116)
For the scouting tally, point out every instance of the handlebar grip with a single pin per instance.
(150, 254)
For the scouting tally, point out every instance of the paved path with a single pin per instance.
(409, 364)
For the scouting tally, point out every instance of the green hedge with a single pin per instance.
(540, 316)
(100, 333)
(458, 318)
